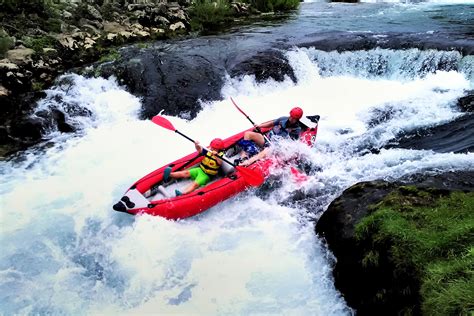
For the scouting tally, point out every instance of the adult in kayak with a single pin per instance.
(202, 174)
(283, 127)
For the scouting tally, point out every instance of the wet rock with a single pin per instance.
(343, 41)
(466, 103)
(456, 136)
(375, 290)
(30, 128)
(168, 81)
(265, 65)
(60, 120)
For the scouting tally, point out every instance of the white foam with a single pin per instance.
(67, 252)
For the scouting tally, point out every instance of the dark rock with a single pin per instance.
(265, 65)
(466, 103)
(344, 41)
(4, 137)
(30, 128)
(61, 123)
(361, 285)
(456, 136)
(172, 82)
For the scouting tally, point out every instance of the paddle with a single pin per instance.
(257, 128)
(250, 176)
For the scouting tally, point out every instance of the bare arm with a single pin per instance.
(267, 124)
(258, 156)
(198, 147)
(216, 157)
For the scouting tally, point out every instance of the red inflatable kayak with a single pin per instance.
(152, 196)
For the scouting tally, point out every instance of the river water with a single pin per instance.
(64, 251)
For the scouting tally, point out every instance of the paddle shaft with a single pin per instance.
(248, 117)
(185, 136)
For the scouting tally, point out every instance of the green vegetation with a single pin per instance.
(208, 14)
(37, 43)
(112, 55)
(429, 238)
(274, 5)
(37, 86)
(6, 43)
(40, 7)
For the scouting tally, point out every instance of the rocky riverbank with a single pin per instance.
(404, 248)
(41, 40)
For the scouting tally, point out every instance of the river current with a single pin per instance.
(66, 252)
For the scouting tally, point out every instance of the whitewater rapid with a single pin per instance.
(64, 251)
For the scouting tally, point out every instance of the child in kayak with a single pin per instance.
(202, 174)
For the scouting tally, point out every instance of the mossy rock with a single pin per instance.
(427, 239)
(405, 248)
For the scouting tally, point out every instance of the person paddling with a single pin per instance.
(202, 174)
(283, 127)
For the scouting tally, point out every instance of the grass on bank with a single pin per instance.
(210, 14)
(430, 238)
(274, 5)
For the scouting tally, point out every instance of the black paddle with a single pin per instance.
(250, 176)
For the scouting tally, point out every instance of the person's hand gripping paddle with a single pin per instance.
(250, 176)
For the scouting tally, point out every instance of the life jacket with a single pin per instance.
(210, 165)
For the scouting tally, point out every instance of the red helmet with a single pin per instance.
(217, 143)
(296, 113)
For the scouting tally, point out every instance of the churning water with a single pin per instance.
(64, 251)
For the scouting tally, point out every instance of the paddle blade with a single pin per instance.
(160, 120)
(235, 104)
(252, 177)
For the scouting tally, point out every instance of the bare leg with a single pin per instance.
(180, 174)
(190, 188)
(255, 137)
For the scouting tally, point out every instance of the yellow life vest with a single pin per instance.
(210, 165)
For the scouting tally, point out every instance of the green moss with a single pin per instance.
(143, 45)
(112, 55)
(431, 238)
(37, 43)
(37, 86)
